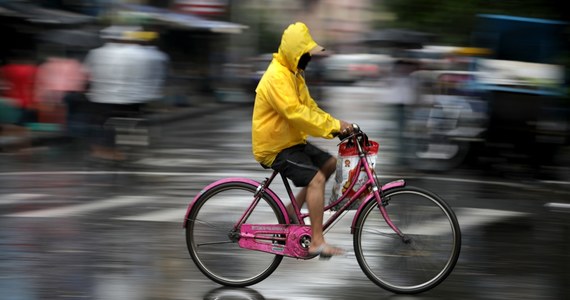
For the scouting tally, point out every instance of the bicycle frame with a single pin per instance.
(250, 233)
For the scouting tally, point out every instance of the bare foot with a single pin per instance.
(325, 251)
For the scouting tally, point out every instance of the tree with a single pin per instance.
(453, 21)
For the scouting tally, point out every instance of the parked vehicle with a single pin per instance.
(526, 91)
(350, 68)
(446, 121)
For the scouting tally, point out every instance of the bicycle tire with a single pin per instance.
(208, 229)
(422, 263)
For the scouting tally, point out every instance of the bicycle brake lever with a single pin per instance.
(343, 138)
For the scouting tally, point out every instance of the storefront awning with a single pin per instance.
(175, 19)
(35, 14)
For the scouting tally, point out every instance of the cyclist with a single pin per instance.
(284, 115)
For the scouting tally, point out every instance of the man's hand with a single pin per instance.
(345, 127)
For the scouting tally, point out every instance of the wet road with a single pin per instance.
(74, 229)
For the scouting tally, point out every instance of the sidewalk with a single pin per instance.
(163, 116)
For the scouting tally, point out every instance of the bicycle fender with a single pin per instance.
(251, 182)
(388, 186)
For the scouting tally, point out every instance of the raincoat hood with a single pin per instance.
(296, 41)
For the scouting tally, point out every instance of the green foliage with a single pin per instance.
(269, 37)
(453, 20)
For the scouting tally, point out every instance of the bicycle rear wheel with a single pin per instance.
(212, 240)
(412, 266)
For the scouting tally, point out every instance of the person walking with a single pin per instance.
(125, 74)
(19, 106)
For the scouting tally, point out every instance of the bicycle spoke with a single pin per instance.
(209, 224)
(214, 243)
(378, 232)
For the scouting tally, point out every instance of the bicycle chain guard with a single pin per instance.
(280, 239)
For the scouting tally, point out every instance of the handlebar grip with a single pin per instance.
(355, 129)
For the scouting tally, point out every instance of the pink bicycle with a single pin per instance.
(405, 239)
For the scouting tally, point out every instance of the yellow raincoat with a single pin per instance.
(284, 113)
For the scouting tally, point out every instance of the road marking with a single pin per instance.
(477, 181)
(217, 174)
(471, 217)
(172, 162)
(19, 198)
(75, 210)
(556, 182)
(261, 173)
(467, 217)
(563, 207)
(167, 215)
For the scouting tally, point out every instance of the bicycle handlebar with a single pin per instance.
(357, 137)
(355, 128)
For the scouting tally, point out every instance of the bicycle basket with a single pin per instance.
(346, 170)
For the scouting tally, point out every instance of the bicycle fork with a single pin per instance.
(382, 203)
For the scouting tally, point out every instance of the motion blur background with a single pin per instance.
(457, 70)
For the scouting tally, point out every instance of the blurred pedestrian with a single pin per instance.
(284, 115)
(403, 93)
(60, 79)
(18, 78)
(125, 74)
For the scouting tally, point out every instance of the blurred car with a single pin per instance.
(350, 68)
(447, 121)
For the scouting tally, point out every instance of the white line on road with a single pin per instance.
(564, 207)
(467, 217)
(167, 215)
(471, 217)
(75, 210)
(257, 174)
(216, 174)
(19, 198)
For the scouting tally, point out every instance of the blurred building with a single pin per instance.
(202, 37)
(332, 22)
(22, 21)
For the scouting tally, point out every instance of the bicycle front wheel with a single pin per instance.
(418, 262)
(212, 240)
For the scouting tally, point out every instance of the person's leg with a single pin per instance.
(315, 202)
(300, 200)
(313, 194)
(329, 167)
(327, 170)
(103, 139)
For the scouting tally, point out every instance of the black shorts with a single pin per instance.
(300, 163)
